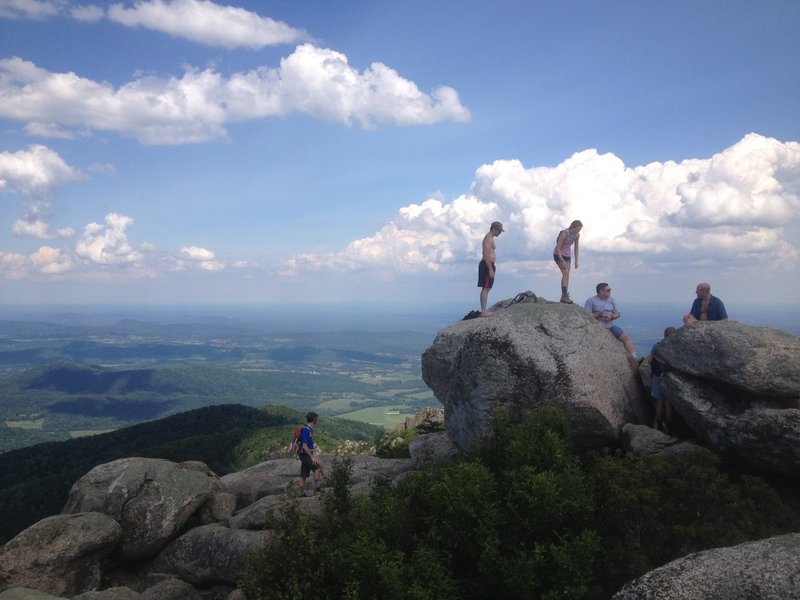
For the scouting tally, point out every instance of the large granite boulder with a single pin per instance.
(267, 478)
(758, 362)
(738, 388)
(530, 354)
(209, 554)
(60, 555)
(755, 570)
(150, 498)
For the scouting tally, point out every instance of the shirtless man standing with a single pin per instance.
(486, 266)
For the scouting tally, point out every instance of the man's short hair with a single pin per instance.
(311, 417)
(600, 287)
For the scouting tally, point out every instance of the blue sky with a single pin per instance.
(188, 151)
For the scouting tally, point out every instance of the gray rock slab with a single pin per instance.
(763, 570)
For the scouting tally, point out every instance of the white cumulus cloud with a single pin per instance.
(197, 106)
(108, 244)
(51, 260)
(201, 257)
(206, 23)
(738, 205)
(35, 171)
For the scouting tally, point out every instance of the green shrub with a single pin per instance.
(650, 510)
(523, 518)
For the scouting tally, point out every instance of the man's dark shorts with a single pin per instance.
(306, 466)
(484, 281)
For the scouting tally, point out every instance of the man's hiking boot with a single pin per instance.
(566, 299)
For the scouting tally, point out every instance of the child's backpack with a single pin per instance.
(296, 446)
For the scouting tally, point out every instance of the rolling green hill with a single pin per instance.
(62, 400)
(34, 481)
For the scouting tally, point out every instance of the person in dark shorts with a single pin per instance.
(308, 460)
(486, 266)
(663, 420)
(562, 254)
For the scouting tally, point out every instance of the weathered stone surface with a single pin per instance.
(754, 432)
(20, 593)
(432, 448)
(255, 515)
(208, 554)
(766, 569)
(531, 354)
(264, 479)
(171, 589)
(218, 509)
(757, 361)
(60, 555)
(114, 593)
(276, 477)
(150, 498)
(643, 441)
(425, 417)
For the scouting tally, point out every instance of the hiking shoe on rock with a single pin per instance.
(566, 299)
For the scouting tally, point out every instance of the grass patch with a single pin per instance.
(37, 424)
(379, 415)
(78, 433)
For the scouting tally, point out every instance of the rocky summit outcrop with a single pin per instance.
(150, 498)
(151, 529)
(752, 571)
(738, 388)
(533, 353)
(60, 555)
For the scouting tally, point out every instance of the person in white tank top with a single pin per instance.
(562, 254)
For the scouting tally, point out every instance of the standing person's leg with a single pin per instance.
(317, 478)
(485, 283)
(484, 301)
(305, 470)
(564, 267)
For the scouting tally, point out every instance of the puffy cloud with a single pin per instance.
(48, 130)
(13, 265)
(195, 107)
(51, 260)
(741, 204)
(38, 229)
(207, 23)
(197, 253)
(201, 257)
(29, 9)
(35, 171)
(108, 245)
(46, 260)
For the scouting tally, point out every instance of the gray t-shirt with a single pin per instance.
(596, 304)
